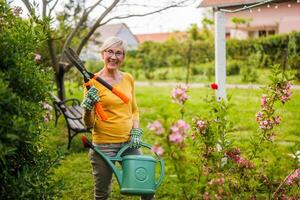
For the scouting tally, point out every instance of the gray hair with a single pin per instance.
(111, 41)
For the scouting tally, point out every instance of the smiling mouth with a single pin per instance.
(113, 63)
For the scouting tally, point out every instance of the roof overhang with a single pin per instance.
(228, 3)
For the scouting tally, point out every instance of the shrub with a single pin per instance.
(162, 75)
(267, 51)
(240, 49)
(197, 70)
(233, 67)
(249, 74)
(24, 162)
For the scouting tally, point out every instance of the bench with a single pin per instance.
(72, 113)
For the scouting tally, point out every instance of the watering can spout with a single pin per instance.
(116, 171)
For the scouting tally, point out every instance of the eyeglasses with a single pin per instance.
(118, 54)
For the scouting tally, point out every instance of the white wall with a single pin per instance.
(126, 35)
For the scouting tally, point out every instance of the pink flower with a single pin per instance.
(193, 136)
(241, 162)
(37, 57)
(156, 127)
(277, 119)
(157, 149)
(46, 119)
(285, 92)
(271, 136)
(201, 124)
(179, 94)
(259, 116)
(214, 86)
(182, 125)
(178, 131)
(176, 138)
(217, 181)
(294, 177)
(46, 106)
(266, 124)
(17, 11)
(264, 101)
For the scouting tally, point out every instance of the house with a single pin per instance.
(159, 37)
(273, 17)
(102, 33)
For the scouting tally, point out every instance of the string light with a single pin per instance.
(268, 2)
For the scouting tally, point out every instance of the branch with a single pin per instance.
(51, 9)
(142, 15)
(82, 19)
(50, 42)
(28, 5)
(96, 25)
(273, 196)
(179, 4)
(75, 30)
(45, 3)
(89, 9)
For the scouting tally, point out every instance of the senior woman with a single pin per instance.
(122, 124)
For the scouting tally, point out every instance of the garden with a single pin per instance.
(244, 147)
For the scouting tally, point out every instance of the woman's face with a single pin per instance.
(113, 57)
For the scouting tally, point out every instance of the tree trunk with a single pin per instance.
(59, 77)
(188, 64)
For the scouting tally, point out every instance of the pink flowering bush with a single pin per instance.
(208, 164)
(278, 91)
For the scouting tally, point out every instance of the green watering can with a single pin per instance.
(137, 176)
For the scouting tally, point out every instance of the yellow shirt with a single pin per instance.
(116, 129)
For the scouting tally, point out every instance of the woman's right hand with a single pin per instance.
(90, 98)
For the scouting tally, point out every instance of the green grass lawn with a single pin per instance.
(155, 103)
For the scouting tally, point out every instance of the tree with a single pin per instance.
(24, 162)
(240, 21)
(78, 21)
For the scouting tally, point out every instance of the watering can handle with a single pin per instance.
(123, 149)
(162, 173)
(161, 161)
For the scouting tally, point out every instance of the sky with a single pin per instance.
(173, 19)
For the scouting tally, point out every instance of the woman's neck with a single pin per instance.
(111, 76)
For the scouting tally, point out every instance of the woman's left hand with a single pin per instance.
(135, 138)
